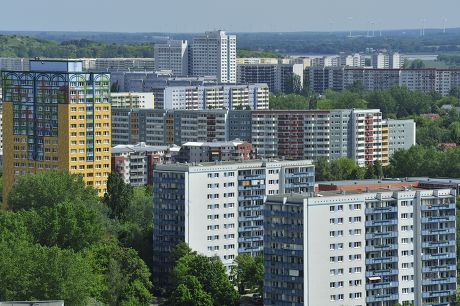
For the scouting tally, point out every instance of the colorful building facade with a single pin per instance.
(57, 117)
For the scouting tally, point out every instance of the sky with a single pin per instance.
(230, 15)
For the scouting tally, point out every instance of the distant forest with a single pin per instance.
(95, 44)
(26, 46)
(141, 44)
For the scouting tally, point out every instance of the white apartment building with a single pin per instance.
(216, 208)
(117, 64)
(135, 162)
(401, 135)
(132, 100)
(244, 97)
(375, 248)
(214, 53)
(172, 55)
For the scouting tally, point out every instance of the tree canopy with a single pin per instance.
(59, 242)
(202, 278)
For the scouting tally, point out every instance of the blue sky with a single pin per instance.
(230, 15)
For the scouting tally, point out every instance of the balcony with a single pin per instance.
(439, 268)
(251, 177)
(433, 244)
(438, 219)
(373, 210)
(381, 235)
(386, 259)
(381, 285)
(441, 280)
(438, 231)
(251, 197)
(297, 174)
(438, 206)
(438, 256)
(382, 272)
(384, 247)
(250, 218)
(432, 294)
(251, 249)
(251, 187)
(250, 239)
(382, 297)
(382, 222)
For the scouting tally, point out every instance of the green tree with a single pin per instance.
(247, 273)
(210, 273)
(69, 225)
(190, 293)
(30, 271)
(126, 276)
(119, 196)
(288, 101)
(323, 171)
(370, 172)
(49, 188)
(417, 64)
(294, 84)
(378, 169)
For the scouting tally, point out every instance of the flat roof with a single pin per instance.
(253, 162)
(358, 182)
(298, 197)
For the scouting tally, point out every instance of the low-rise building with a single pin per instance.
(252, 96)
(197, 152)
(132, 100)
(135, 162)
(279, 76)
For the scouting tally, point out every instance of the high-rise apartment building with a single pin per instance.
(330, 134)
(401, 135)
(279, 76)
(132, 100)
(172, 55)
(425, 80)
(214, 53)
(311, 134)
(216, 208)
(253, 96)
(118, 64)
(357, 247)
(56, 117)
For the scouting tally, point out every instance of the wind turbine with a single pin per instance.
(351, 20)
(422, 30)
(444, 25)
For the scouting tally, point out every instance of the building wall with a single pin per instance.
(172, 55)
(373, 248)
(401, 135)
(132, 100)
(54, 113)
(222, 204)
(321, 78)
(214, 53)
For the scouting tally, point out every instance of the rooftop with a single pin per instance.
(140, 147)
(214, 143)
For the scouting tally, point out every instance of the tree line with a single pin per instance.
(25, 46)
(58, 240)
